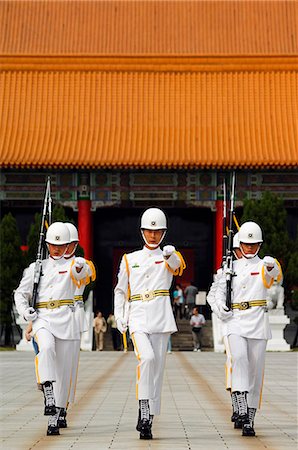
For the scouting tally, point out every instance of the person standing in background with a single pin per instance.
(100, 327)
(114, 332)
(178, 302)
(190, 293)
(197, 321)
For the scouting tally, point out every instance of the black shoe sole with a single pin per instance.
(249, 432)
(50, 410)
(53, 431)
(62, 424)
(146, 437)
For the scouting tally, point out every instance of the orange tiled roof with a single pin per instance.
(148, 27)
(148, 119)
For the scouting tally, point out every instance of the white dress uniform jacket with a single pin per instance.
(251, 281)
(56, 283)
(148, 271)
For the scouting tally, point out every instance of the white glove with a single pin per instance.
(268, 261)
(223, 312)
(79, 262)
(121, 325)
(30, 314)
(168, 250)
(215, 309)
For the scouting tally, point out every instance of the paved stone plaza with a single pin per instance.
(196, 408)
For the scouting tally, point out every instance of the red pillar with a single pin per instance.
(218, 234)
(85, 226)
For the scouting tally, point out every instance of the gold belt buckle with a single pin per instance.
(147, 296)
(52, 304)
(244, 305)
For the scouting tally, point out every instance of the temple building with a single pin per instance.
(130, 104)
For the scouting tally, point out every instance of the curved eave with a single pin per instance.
(243, 166)
(148, 119)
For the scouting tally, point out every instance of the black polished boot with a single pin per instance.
(248, 428)
(235, 413)
(145, 429)
(49, 399)
(242, 410)
(138, 427)
(53, 429)
(144, 424)
(62, 418)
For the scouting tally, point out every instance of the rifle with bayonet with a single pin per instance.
(224, 225)
(46, 219)
(229, 254)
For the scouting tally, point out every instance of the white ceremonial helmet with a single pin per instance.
(236, 242)
(74, 237)
(153, 219)
(58, 234)
(250, 233)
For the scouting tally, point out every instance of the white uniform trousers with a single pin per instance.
(150, 350)
(248, 362)
(74, 370)
(54, 363)
(228, 363)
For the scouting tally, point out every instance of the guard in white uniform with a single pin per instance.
(211, 300)
(142, 302)
(247, 324)
(54, 327)
(80, 321)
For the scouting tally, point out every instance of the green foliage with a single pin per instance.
(295, 301)
(270, 213)
(80, 251)
(59, 215)
(292, 269)
(32, 239)
(11, 265)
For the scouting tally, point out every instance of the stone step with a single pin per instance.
(182, 340)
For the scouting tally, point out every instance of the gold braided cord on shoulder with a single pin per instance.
(267, 285)
(236, 222)
(76, 282)
(88, 278)
(180, 269)
(91, 277)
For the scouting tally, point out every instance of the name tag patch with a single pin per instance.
(255, 273)
(158, 262)
(64, 271)
(135, 265)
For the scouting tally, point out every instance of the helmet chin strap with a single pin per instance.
(153, 246)
(72, 253)
(56, 258)
(249, 255)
